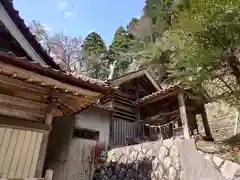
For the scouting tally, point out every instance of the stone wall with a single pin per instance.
(147, 161)
(171, 159)
(229, 170)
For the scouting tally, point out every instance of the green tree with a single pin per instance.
(122, 50)
(93, 43)
(201, 48)
(95, 55)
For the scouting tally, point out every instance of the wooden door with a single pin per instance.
(78, 165)
(19, 151)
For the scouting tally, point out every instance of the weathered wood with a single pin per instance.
(21, 84)
(124, 94)
(17, 154)
(24, 74)
(183, 115)
(15, 112)
(116, 111)
(51, 110)
(119, 116)
(28, 104)
(19, 149)
(122, 107)
(49, 174)
(137, 97)
(22, 124)
(36, 154)
(117, 99)
(24, 94)
(42, 155)
(236, 123)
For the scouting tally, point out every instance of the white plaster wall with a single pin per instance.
(95, 118)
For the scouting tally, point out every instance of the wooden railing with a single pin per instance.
(48, 176)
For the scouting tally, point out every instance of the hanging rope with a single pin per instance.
(164, 125)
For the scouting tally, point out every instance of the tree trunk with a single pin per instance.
(234, 65)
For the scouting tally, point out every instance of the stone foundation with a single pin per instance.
(160, 160)
(147, 161)
(228, 169)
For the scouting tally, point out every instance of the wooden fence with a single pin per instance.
(48, 176)
(121, 130)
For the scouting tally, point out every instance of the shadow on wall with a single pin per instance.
(139, 170)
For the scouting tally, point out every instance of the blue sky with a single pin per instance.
(79, 17)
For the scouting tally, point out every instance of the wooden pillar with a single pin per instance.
(49, 174)
(51, 110)
(205, 123)
(138, 105)
(183, 115)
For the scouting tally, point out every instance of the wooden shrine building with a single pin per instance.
(33, 90)
(142, 109)
(172, 112)
(126, 90)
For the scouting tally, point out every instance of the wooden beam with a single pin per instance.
(23, 94)
(22, 103)
(51, 110)
(24, 74)
(22, 124)
(124, 113)
(183, 115)
(16, 112)
(6, 80)
(137, 97)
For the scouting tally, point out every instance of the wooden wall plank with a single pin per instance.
(4, 147)
(11, 148)
(123, 129)
(2, 131)
(32, 144)
(17, 153)
(36, 155)
(24, 154)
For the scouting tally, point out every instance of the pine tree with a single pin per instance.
(95, 50)
(93, 43)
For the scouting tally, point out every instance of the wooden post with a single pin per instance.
(183, 115)
(205, 123)
(49, 174)
(236, 123)
(51, 109)
(137, 96)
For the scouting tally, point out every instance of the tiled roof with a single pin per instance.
(159, 93)
(129, 73)
(70, 78)
(19, 22)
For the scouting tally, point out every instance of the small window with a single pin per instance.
(86, 134)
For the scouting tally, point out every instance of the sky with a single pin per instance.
(80, 17)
